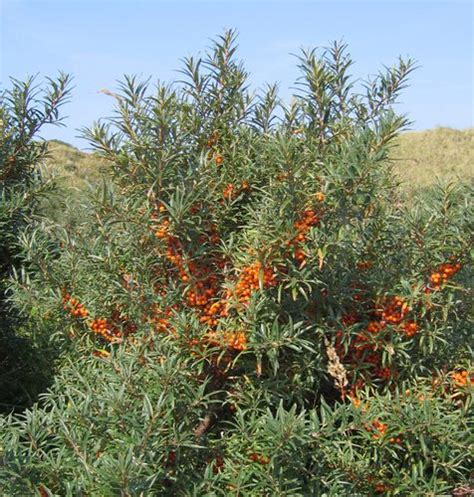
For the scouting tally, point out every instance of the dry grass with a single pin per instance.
(420, 157)
(74, 172)
(72, 167)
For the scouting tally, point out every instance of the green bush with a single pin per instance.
(127, 426)
(249, 306)
(24, 110)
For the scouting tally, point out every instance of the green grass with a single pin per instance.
(419, 158)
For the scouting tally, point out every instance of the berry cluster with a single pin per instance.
(308, 219)
(319, 196)
(389, 311)
(204, 297)
(392, 310)
(230, 192)
(104, 328)
(462, 379)
(249, 281)
(161, 319)
(212, 140)
(236, 341)
(212, 144)
(74, 307)
(381, 488)
(162, 231)
(259, 458)
(218, 159)
(380, 429)
(232, 341)
(389, 314)
(350, 319)
(113, 329)
(443, 273)
(364, 265)
(410, 328)
(364, 346)
(213, 311)
(204, 287)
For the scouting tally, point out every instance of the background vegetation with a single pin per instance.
(420, 158)
(443, 153)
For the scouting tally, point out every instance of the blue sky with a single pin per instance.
(99, 41)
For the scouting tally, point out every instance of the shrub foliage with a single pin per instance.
(248, 307)
(24, 110)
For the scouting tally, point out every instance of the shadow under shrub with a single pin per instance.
(26, 369)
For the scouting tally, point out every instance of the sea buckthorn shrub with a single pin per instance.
(25, 108)
(251, 305)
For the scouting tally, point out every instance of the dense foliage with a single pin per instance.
(24, 110)
(249, 307)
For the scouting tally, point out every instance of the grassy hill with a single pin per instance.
(422, 156)
(73, 167)
(418, 157)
